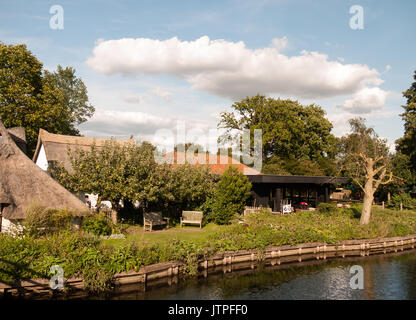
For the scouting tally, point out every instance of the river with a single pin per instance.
(391, 276)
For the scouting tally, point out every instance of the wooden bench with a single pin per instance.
(192, 217)
(151, 219)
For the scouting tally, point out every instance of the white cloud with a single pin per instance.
(229, 69)
(388, 67)
(279, 44)
(340, 120)
(162, 93)
(366, 100)
(143, 126)
(132, 97)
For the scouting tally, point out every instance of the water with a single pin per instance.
(385, 277)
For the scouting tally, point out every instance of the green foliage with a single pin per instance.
(129, 172)
(405, 178)
(114, 172)
(290, 131)
(34, 98)
(98, 225)
(405, 199)
(42, 221)
(230, 196)
(407, 144)
(357, 148)
(74, 93)
(327, 208)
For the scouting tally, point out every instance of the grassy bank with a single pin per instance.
(96, 261)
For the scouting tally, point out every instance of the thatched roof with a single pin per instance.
(56, 146)
(18, 135)
(23, 183)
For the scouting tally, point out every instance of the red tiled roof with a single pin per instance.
(217, 163)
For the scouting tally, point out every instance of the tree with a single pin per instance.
(181, 187)
(115, 172)
(403, 176)
(128, 172)
(407, 144)
(230, 196)
(33, 98)
(365, 159)
(290, 130)
(75, 93)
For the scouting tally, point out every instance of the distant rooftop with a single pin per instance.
(217, 163)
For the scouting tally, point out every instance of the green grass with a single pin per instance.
(331, 226)
(136, 234)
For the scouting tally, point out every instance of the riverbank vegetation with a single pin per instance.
(96, 261)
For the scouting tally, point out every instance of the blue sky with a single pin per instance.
(303, 50)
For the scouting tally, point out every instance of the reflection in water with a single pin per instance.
(385, 277)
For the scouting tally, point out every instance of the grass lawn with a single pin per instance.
(163, 236)
(260, 231)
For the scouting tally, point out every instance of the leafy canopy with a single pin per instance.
(290, 130)
(34, 98)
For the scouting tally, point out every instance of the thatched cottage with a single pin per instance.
(53, 148)
(23, 183)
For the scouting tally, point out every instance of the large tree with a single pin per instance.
(75, 93)
(292, 133)
(128, 173)
(407, 144)
(365, 158)
(33, 98)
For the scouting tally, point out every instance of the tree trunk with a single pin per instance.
(367, 202)
(114, 216)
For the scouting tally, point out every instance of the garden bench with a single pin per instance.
(151, 219)
(192, 217)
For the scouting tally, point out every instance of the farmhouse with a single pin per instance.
(23, 183)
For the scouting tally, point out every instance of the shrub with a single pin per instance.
(326, 207)
(41, 221)
(230, 196)
(98, 225)
(404, 198)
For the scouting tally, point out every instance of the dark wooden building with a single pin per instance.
(270, 190)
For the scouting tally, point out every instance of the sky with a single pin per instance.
(160, 65)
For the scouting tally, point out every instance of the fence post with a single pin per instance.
(382, 205)
(401, 206)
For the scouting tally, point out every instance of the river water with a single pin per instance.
(384, 277)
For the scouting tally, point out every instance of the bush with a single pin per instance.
(98, 225)
(404, 198)
(230, 196)
(41, 221)
(326, 207)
